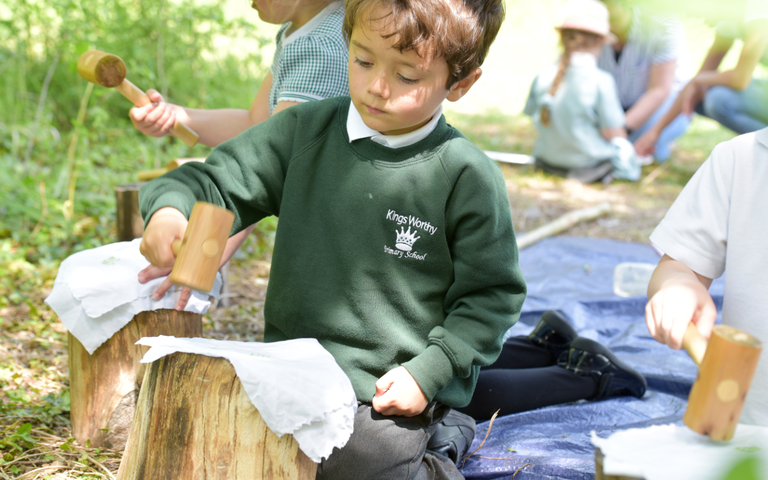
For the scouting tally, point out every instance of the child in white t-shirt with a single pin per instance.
(718, 221)
(575, 107)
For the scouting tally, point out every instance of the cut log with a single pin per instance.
(130, 225)
(104, 386)
(195, 421)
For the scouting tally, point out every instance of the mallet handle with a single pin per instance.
(139, 98)
(694, 343)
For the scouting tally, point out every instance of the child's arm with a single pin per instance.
(660, 82)
(755, 43)
(212, 126)
(678, 296)
(397, 393)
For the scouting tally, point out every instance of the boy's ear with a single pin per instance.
(460, 88)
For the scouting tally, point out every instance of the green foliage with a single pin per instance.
(17, 442)
(63, 146)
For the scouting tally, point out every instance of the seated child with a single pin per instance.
(395, 247)
(575, 107)
(309, 63)
(714, 227)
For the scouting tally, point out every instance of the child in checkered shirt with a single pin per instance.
(310, 63)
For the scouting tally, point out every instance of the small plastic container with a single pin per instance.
(631, 279)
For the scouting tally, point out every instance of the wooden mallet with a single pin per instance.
(199, 254)
(726, 367)
(109, 71)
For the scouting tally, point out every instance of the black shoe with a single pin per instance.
(553, 332)
(614, 377)
(453, 436)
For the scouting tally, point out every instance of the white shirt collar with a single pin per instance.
(357, 129)
(314, 22)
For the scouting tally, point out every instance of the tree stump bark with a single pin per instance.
(104, 386)
(130, 225)
(195, 421)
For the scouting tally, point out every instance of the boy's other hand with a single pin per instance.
(152, 272)
(166, 225)
(397, 393)
(154, 119)
(678, 297)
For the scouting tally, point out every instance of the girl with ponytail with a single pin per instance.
(575, 107)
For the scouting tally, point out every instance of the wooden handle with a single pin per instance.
(199, 254)
(139, 98)
(186, 134)
(694, 344)
(133, 93)
(147, 175)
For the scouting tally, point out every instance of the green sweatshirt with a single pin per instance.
(387, 257)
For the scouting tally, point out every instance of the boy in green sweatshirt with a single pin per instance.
(395, 247)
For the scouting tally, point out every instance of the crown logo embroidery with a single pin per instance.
(405, 240)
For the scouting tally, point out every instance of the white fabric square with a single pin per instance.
(97, 292)
(662, 452)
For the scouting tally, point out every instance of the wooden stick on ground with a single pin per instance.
(562, 223)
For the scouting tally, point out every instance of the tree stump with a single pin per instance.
(195, 421)
(130, 225)
(104, 386)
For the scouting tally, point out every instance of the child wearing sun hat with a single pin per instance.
(575, 107)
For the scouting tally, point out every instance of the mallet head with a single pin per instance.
(199, 255)
(725, 373)
(101, 68)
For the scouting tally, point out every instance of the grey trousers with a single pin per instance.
(390, 447)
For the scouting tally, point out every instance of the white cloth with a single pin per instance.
(664, 452)
(357, 129)
(97, 292)
(296, 385)
(719, 220)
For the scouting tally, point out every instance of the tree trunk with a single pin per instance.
(195, 421)
(104, 386)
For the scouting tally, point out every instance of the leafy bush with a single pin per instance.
(64, 144)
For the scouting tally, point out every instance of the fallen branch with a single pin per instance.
(562, 223)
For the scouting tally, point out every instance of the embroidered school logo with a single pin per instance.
(405, 240)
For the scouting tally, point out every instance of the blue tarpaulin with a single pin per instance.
(575, 275)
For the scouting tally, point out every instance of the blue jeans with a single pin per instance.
(676, 128)
(742, 111)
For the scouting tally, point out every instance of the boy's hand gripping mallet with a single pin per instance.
(109, 71)
(199, 254)
(726, 367)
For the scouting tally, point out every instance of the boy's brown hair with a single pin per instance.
(460, 31)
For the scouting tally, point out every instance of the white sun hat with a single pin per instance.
(586, 15)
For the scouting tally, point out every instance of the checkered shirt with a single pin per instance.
(311, 65)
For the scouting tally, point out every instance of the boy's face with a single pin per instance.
(394, 92)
